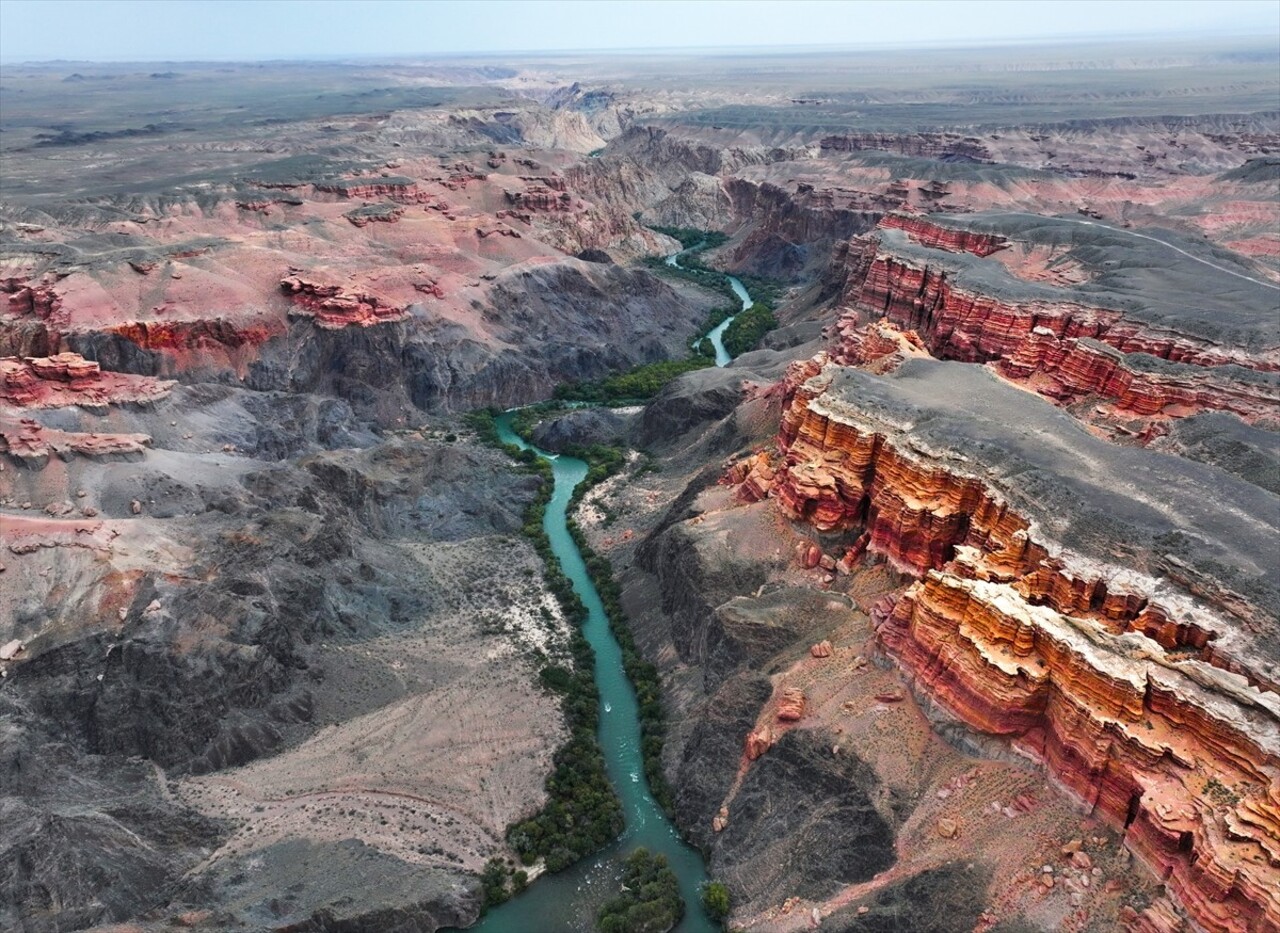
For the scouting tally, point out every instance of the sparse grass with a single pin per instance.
(1220, 794)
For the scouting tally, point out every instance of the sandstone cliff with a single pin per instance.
(1097, 633)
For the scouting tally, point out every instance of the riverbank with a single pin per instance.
(567, 900)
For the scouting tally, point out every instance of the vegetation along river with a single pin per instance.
(716, 334)
(567, 901)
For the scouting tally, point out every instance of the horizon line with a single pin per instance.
(942, 44)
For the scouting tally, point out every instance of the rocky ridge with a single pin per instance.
(1148, 696)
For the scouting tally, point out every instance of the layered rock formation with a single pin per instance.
(1138, 383)
(332, 306)
(1096, 632)
(30, 299)
(70, 379)
(251, 677)
(945, 146)
(975, 327)
(1121, 338)
(30, 444)
(935, 236)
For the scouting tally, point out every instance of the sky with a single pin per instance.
(249, 30)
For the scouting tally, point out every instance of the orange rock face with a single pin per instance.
(70, 379)
(791, 707)
(758, 742)
(1130, 693)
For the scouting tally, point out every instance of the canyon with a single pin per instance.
(960, 588)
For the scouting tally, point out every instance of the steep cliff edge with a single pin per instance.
(1136, 332)
(1125, 638)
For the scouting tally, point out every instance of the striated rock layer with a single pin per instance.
(333, 306)
(967, 325)
(1124, 334)
(70, 379)
(1126, 640)
(936, 236)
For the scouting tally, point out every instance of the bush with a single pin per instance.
(557, 679)
(636, 385)
(747, 328)
(715, 900)
(493, 883)
(693, 238)
(650, 901)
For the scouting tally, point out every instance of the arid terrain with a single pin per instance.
(962, 586)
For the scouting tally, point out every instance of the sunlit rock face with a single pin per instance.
(1090, 628)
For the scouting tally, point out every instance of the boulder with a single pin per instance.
(791, 709)
(759, 742)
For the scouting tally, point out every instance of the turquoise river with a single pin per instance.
(567, 901)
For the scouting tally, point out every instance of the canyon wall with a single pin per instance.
(1149, 698)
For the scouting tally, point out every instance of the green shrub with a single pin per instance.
(650, 900)
(636, 385)
(556, 678)
(747, 328)
(693, 238)
(715, 900)
(493, 883)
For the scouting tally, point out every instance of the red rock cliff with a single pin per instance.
(936, 236)
(975, 328)
(332, 306)
(1126, 691)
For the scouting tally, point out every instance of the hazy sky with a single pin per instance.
(158, 30)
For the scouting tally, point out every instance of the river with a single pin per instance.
(568, 900)
(716, 334)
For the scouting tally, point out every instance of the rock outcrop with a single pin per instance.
(942, 146)
(936, 236)
(394, 187)
(926, 287)
(1052, 612)
(31, 299)
(332, 306)
(30, 444)
(966, 325)
(1070, 369)
(70, 379)
(970, 308)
